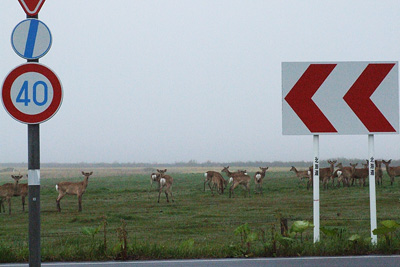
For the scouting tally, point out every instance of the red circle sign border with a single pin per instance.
(51, 109)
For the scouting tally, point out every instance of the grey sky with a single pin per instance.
(166, 81)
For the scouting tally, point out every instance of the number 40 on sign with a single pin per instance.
(32, 93)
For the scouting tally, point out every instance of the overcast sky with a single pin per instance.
(168, 81)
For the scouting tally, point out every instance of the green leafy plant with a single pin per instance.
(300, 227)
(247, 236)
(91, 231)
(387, 229)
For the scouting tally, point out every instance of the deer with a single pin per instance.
(300, 174)
(216, 180)
(154, 177)
(391, 171)
(258, 179)
(71, 188)
(324, 174)
(378, 172)
(21, 189)
(359, 173)
(7, 191)
(165, 181)
(344, 174)
(237, 178)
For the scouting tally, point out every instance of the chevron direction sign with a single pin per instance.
(340, 98)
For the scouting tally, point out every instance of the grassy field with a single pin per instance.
(195, 225)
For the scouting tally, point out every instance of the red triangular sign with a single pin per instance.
(31, 7)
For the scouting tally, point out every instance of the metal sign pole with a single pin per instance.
(34, 188)
(316, 187)
(372, 192)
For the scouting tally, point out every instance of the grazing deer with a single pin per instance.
(391, 171)
(21, 189)
(237, 178)
(324, 174)
(300, 174)
(216, 180)
(360, 174)
(70, 188)
(7, 191)
(165, 181)
(378, 172)
(258, 179)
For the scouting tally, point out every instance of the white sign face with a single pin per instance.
(31, 39)
(31, 93)
(340, 98)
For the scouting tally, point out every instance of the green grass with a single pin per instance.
(195, 225)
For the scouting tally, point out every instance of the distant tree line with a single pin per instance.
(191, 163)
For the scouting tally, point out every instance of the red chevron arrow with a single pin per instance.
(299, 98)
(358, 98)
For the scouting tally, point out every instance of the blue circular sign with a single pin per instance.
(31, 39)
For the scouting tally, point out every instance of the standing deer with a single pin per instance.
(20, 190)
(258, 179)
(154, 177)
(215, 180)
(324, 174)
(165, 181)
(7, 191)
(70, 188)
(378, 172)
(359, 173)
(300, 174)
(392, 171)
(344, 174)
(237, 178)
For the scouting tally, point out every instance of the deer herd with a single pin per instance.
(345, 175)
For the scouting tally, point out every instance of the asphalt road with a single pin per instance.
(364, 261)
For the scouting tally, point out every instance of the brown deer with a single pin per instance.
(70, 188)
(344, 174)
(215, 180)
(378, 172)
(21, 189)
(165, 181)
(237, 178)
(391, 171)
(258, 179)
(154, 177)
(360, 174)
(324, 174)
(7, 191)
(300, 174)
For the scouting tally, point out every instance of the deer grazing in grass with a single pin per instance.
(7, 191)
(325, 174)
(165, 182)
(70, 188)
(258, 179)
(215, 180)
(300, 174)
(391, 171)
(20, 190)
(360, 174)
(237, 178)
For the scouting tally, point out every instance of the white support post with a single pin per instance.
(372, 192)
(316, 187)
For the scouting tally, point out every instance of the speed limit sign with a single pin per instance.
(32, 93)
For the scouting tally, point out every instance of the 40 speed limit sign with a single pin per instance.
(32, 93)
